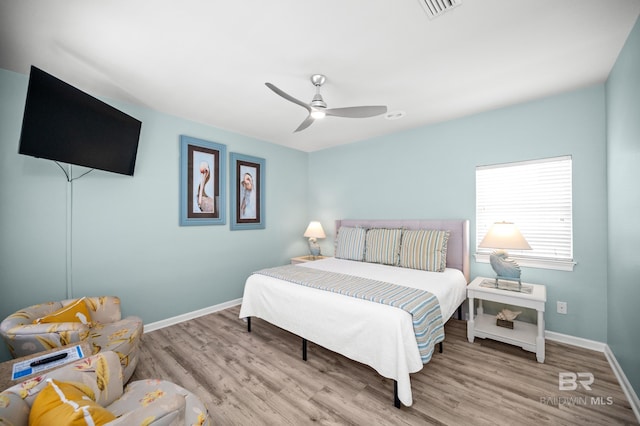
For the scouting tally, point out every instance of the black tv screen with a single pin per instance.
(65, 124)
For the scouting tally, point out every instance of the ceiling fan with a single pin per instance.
(318, 108)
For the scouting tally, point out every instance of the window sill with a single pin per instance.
(558, 265)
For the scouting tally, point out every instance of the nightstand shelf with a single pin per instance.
(523, 334)
(529, 337)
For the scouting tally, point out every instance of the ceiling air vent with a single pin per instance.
(436, 8)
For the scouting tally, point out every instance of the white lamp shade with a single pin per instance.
(314, 230)
(504, 235)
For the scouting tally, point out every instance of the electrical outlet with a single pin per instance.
(562, 307)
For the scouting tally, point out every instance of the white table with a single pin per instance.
(528, 336)
(6, 367)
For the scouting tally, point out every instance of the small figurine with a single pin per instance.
(503, 266)
(507, 315)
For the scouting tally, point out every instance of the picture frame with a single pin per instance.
(247, 189)
(202, 182)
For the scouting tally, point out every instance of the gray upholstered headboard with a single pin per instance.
(457, 247)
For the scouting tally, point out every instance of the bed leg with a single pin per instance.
(460, 311)
(441, 345)
(396, 400)
(304, 349)
(249, 324)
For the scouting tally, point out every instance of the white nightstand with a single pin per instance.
(529, 337)
(308, 258)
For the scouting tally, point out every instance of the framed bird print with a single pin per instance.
(202, 182)
(247, 192)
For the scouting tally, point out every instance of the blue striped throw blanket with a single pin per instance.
(422, 305)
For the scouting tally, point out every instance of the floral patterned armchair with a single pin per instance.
(99, 380)
(105, 330)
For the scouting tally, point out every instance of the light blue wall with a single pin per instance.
(430, 173)
(126, 237)
(623, 119)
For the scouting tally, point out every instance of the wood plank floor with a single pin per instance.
(259, 378)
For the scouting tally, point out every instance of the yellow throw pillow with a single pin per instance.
(61, 403)
(74, 312)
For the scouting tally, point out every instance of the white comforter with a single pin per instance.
(378, 335)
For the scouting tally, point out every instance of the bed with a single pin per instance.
(375, 334)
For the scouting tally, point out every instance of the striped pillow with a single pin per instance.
(383, 246)
(424, 249)
(350, 243)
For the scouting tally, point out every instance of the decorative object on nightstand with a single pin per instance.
(505, 318)
(313, 232)
(501, 236)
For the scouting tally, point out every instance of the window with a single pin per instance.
(536, 196)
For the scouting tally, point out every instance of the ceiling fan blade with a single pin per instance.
(306, 123)
(288, 97)
(357, 112)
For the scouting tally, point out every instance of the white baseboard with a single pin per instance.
(575, 341)
(624, 382)
(190, 315)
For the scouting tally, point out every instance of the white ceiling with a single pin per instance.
(208, 60)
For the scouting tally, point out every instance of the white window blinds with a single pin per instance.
(536, 196)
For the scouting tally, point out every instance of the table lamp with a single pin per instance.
(314, 231)
(502, 236)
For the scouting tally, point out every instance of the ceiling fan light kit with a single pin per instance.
(317, 109)
(318, 115)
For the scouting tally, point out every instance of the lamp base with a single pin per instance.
(314, 247)
(508, 284)
(508, 279)
(504, 267)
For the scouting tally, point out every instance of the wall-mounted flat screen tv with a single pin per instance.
(65, 124)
